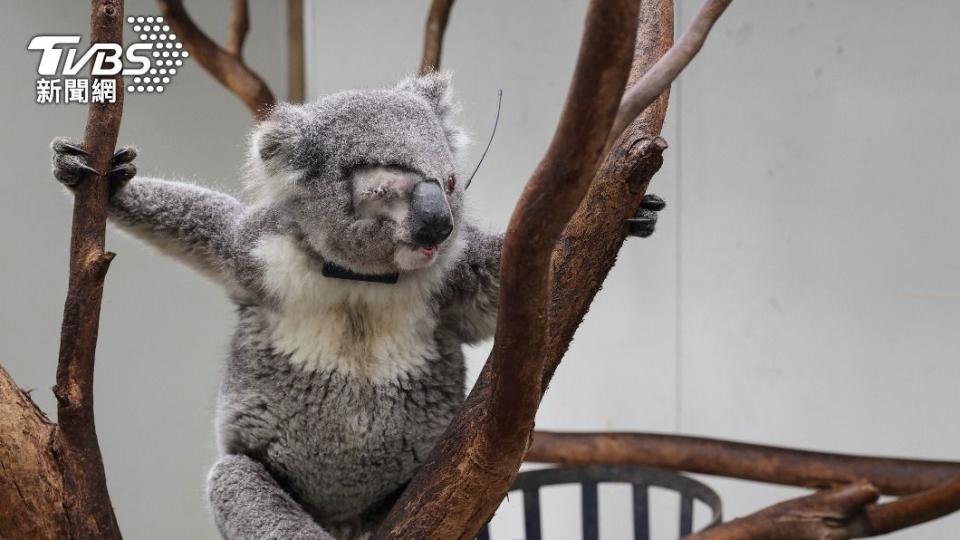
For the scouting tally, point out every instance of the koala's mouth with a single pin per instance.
(415, 257)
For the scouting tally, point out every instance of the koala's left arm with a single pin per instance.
(470, 305)
(198, 225)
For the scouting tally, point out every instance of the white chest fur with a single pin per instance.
(371, 330)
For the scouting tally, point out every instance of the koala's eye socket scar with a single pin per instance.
(451, 183)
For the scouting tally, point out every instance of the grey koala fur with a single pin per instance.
(334, 390)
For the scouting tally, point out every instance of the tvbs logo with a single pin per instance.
(147, 65)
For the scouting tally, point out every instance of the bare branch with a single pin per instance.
(87, 501)
(226, 67)
(475, 461)
(662, 74)
(433, 35)
(834, 514)
(296, 63)
(590, 242)
(914, 509)
(775, 465)
(840, 513)
(239, 27)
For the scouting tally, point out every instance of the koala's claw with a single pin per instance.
(124, 154)
(653, 202)
(122, 173)
(70, 164)
(644, 221)
(64, 146)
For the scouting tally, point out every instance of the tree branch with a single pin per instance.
(472, 466)
(87, 502)
(225, 65)
(914, 509)
(659, 78)
(840, 513)
(770, 464)
(239, 27)
(433, 35)
(592, 239)
(833, 514)
(296, 66)
(31, 485)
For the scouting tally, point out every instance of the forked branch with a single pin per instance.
(436, 26)
(839, 513)
(833, 514)
(760, 463)
(225, 64)
(474, 463)
(659, 78)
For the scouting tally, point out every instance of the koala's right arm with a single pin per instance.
(194, 224)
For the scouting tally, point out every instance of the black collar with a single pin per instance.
(332, 270)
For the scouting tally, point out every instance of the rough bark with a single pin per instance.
(31, 486)
(591, 240)
(770, 464)
(834, 514)
(226, 65)
(436, 26)
(87, 502)
(464, 479)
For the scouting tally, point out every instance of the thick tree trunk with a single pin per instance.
(31, 485)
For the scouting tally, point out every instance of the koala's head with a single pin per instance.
(369, 177)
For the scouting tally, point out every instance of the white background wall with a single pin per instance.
(803, 287)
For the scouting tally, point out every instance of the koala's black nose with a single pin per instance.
(431, 222)
(433, 232)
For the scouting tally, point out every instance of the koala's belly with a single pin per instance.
(344, 447)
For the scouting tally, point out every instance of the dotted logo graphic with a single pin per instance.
(166, 57)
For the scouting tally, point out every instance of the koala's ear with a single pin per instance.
(436, 89)
(274, 158)
(277, 139)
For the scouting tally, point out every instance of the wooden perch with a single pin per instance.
(839, 513)
(436, 26)
(770, 464)
(913, 510)
(834, 514)
(225, 64)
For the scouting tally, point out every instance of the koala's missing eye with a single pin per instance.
(418, 212)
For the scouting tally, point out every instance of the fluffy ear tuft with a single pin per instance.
(276, 139)
(271, 168)
(437, 90)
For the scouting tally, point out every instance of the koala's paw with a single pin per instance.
(70, 164)
(644, 221)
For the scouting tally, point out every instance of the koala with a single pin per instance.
(357, 280)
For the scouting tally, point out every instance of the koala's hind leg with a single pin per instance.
(247, 504)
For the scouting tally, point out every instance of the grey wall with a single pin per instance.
(803, 287)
